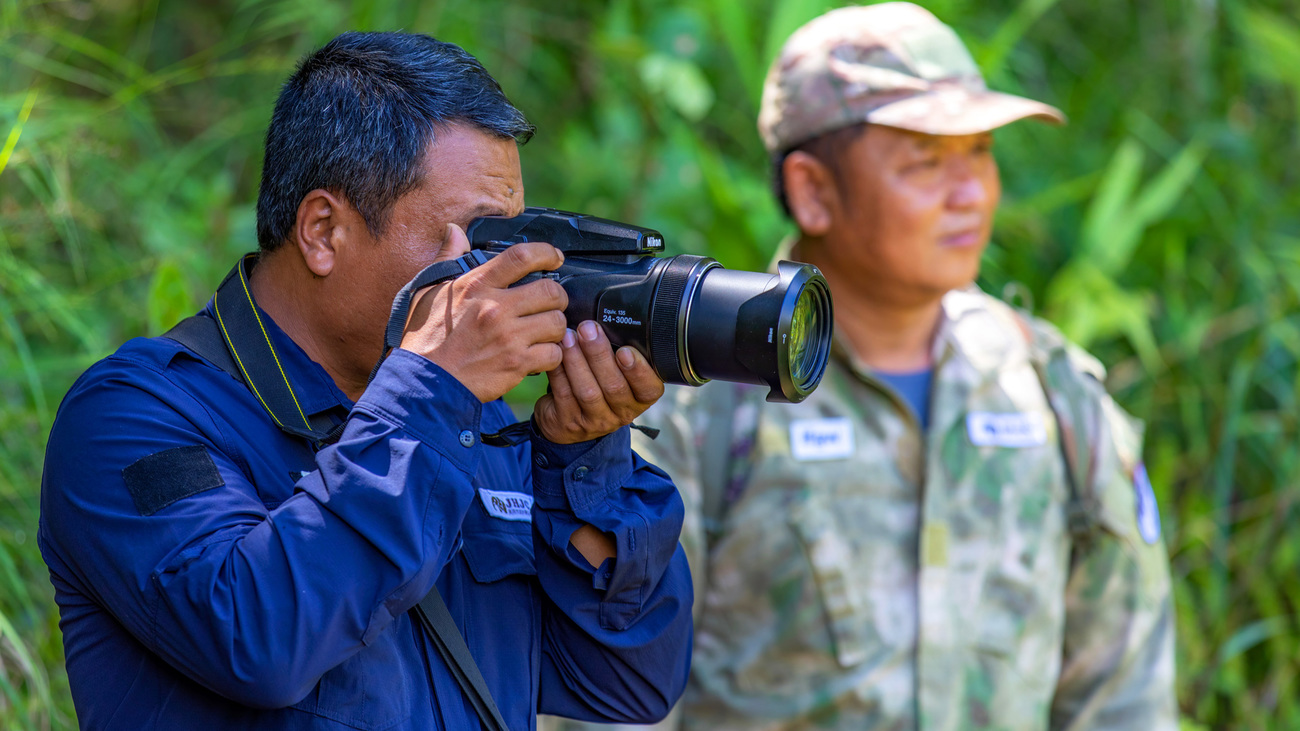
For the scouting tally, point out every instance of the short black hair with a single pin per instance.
(356, 117)
(830, 148)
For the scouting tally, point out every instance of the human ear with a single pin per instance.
(809, 191)
(321, 227)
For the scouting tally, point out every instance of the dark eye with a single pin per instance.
(929, 162)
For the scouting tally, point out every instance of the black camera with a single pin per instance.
(693, 319)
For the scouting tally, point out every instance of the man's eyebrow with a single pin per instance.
(926, 143)
(486, 209)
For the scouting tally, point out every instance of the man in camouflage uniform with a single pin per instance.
(955, 531)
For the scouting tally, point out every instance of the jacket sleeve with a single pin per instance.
(616, 638)
(1117, 668)
(683, 420)
(257, 601)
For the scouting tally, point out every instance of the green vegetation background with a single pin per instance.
(1161, 229)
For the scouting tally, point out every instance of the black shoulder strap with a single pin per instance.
(201, 335)
(237, 343)
(434, 615)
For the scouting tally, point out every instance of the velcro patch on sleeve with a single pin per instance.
(161, 479)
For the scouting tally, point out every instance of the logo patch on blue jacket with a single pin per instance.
(507, 505)
(1148, 514)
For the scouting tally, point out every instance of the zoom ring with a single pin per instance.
(665, 312)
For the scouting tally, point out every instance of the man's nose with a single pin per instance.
(969, 189)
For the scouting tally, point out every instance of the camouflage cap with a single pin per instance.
(892, 64)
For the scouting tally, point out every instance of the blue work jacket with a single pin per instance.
(214, 572)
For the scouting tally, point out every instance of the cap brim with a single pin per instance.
(958, 111)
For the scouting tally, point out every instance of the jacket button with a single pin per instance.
(540, 460)
(467, 438)
(580, 473)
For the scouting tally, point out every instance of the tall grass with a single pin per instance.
(1160, 229)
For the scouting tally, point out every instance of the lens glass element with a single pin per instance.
(804, 327)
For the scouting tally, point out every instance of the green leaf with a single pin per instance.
(169, 297)
(1272, 43)
(992, 56)
(1088, 306)
(1102, 241)
(1164, 191)
(1251, 635)
(1120, 213)
(679, 82)
(787, 16)
(732, 21)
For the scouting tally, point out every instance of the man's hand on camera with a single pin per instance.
(483, 333)
(595, 390)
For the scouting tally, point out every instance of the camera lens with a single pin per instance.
(752, 327)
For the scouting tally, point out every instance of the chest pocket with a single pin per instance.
(371, 690)
(856, 527)
(496, 547)
(831, 561)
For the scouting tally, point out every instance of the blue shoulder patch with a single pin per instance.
(1148, 513)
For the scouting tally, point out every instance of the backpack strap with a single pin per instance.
(715, 461)
(727, 441)
(201, 335)
(1051, 364)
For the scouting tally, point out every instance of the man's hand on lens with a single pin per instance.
(595, 390)
(483, 333)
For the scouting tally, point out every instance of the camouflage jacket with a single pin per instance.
(864, 575)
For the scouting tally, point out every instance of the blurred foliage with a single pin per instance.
(1160, 229)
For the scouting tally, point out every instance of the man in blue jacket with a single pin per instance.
(218, 564)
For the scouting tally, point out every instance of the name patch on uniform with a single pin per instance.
(1148, 514)
(817, 439)
(507, 505)
(988, 429)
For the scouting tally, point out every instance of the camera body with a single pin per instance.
(693, 319)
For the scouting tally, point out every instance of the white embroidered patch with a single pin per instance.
(1148, 513)
(818, 439)
(988, 429)
(507, 505)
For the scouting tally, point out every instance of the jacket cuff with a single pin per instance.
(579, 476)
(417, 396)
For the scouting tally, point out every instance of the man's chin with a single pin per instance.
(957, 278)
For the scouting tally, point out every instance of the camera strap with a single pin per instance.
(430, 275)
(237, 342)
(510, 436)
